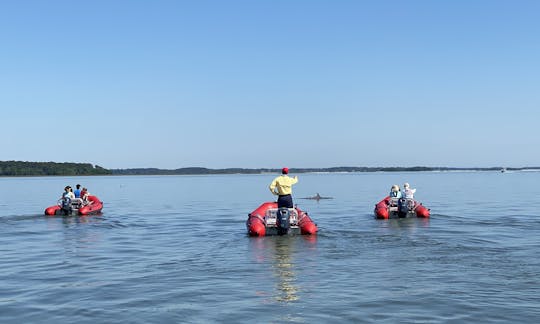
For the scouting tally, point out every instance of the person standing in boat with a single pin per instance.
(68, 193)
(282, 187)
(66, 198)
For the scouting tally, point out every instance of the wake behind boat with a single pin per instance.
(268, 219)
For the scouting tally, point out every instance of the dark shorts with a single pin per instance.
(285, 201)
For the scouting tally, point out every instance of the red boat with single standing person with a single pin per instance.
(268, 219)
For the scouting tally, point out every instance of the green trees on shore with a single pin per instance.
(19, 168)
(202, 171)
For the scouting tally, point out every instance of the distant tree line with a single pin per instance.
(20, 168)
(188, 171)
(197, 170)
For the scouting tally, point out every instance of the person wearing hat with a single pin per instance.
(68, 193)
(282, 187)
(408, 192)
(395, 192)
(66, 198)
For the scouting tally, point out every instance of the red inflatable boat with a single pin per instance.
(268, 219)
(400, 208)
(76, 206)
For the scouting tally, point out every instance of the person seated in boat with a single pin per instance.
(77, 191)
(84, 192)
(281, 186)
(408, 196)
(395, 195)
(84, 196)
(395, 192)
(408, 192)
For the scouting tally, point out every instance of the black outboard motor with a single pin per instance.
(402, 208)
(282, 221)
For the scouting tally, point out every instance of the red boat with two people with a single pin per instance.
(76, 206)
(268, 219)
(400, 208)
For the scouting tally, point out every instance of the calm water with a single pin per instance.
(174, 249)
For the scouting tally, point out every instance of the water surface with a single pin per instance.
(174, 249)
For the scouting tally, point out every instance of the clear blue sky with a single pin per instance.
(305, 83)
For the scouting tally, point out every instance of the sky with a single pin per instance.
(267, 84)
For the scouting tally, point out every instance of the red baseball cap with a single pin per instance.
(285, 170)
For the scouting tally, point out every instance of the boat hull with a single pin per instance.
(263, 221)
(389, 208)
(77, 208)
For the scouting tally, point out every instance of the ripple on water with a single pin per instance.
(175, 249)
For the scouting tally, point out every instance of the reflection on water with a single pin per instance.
(284, 270)
(279, 252)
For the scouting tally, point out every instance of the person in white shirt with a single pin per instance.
(408, 192)
(68, 193)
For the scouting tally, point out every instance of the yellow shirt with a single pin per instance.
(283, 183)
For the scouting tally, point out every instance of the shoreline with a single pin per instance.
(36, 169)
(266, 173)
